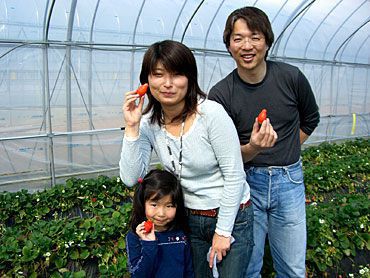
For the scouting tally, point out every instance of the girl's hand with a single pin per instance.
(131, 112)
(140, 231)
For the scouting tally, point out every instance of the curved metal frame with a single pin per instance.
(302, 14)
(90, 46)
(344, 45)
(178, 18)
(46, 89)
(295, 14)
(206, 39)
(367, 75)
(68, 66)
(340, 27)
(191, 18)
(281, 8)
(318, 27)
(134, 46)
(349, 38)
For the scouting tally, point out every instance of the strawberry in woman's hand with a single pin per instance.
(262, 116)
(148, 225)
(142, 89)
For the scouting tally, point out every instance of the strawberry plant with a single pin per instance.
(78, 229)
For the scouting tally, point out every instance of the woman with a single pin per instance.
(196, 140)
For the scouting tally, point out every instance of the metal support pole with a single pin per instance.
(46, 91)
(68, 82)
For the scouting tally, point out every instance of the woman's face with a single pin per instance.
(168, 88)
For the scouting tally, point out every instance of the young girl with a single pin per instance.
(164, 251)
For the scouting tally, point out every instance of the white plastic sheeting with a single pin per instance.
(65, 65)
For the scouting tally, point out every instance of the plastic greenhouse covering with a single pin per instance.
(66, 64)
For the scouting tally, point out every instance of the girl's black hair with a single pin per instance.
(155, 185)
(175, 58)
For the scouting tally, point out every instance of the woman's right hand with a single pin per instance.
(131, 112)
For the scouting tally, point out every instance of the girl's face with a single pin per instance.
(168, 88)
(161, 212)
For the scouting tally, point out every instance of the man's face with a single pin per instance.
(247, 48)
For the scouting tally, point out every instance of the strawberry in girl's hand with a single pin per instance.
(262, 116)
(148, 225)
(142, 89)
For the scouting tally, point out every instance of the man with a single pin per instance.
(271, 151)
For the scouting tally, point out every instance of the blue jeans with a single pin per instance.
(236, 261)
(278, 196)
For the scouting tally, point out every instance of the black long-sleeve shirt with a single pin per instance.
(286, 94)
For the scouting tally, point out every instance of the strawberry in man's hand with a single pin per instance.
(262, 116)
(142, 89)
(148, 225)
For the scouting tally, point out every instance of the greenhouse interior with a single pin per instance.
(65, 66)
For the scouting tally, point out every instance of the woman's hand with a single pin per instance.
(140, 231)
(220, 246)
(132, 113)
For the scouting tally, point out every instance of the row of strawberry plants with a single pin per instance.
(78, 229)
(72, 230)
(338, 229)
(336, 168)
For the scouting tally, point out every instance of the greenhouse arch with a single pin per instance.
(65, 65)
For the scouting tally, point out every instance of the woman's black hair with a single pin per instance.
(155, 185)
(175, 58)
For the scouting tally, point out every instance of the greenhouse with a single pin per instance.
(65, 66)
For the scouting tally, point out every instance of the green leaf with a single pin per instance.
(29, 253)
(121, 243)
(60, 262)
(322, 266)
(86, 224)
(56, 275)
(74, 255)
(79, 274)
(344, 242)
(45, 210)
(108, 203)
(84, 254)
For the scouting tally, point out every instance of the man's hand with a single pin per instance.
(263, 137)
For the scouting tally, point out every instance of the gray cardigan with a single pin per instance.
(212, 173)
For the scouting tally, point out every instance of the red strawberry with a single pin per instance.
(142, 89)
(262, 116)
(93, 199)
(148, 225)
